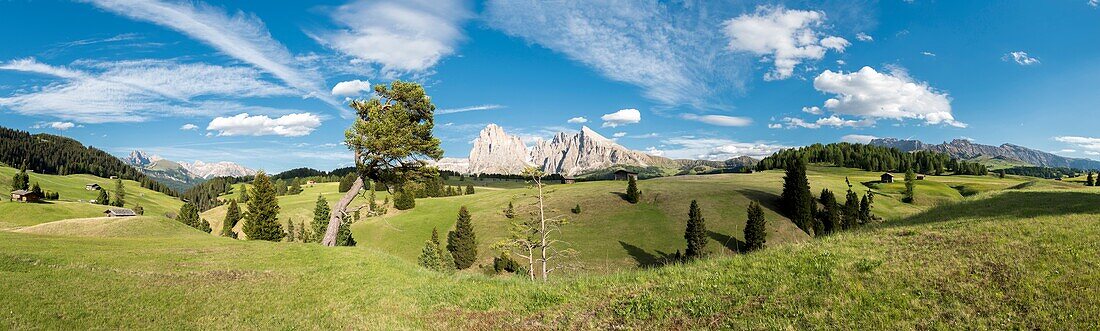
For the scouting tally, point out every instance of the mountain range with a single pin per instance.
(967, 150)
(496, 152)
(183, 175)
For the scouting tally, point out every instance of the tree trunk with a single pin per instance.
(339, 211)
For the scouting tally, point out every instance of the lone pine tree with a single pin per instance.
(756, 231)
(796, 198)
(432, 256)
(830, 214)
(120, 194)
(910, 187)
(632, 193)
(261, 222)
(462, 243)
(103, 197)
(321, 215)
(696, 232)
(189, 215)
(232, 216)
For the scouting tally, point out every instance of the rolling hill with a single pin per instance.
(74, 199)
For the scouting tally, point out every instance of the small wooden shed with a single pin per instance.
(119, 212)
(887, 178)
(568, 180)
(623, 174)
(92, 187)
(25, 196)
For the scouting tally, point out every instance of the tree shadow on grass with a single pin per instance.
(765, 199)
(729, 242)
(1011, 204)
(645, 259)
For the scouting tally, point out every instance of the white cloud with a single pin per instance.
(619, 134)
(719, 120)
(926, 53)
(399, 36)
(687, 147)
(654, 151)
(671, 50)
(351, 88)
(131, 91)
(579, 119)
(60, 126)
(1094, 3)
(1065, 151)
(292, 125)
(872, 95)
(832, 120)
(466, 109)
(188, 127)
(812, 110)
(864, 37)
(787, 36)
(241, 35)
(775, 126)
(621, 117)
(1021, 58)
(1088, 144)
(858, 138)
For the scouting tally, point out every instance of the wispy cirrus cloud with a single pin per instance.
(133, 91)
(466, 109)
(398, 36)
(672, 51)
(240, 35)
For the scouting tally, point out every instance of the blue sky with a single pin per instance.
(264, 84)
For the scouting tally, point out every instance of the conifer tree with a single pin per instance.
(910, 186)
(244, 193)
(469, 189)
(850, 216)
(865, 205)
(37, 189)
(303, 235)
(431, 256)
(462, 243)
(632, 193)
(295, 187)
(204, 226)
(830, 215)
(21, 181)
(510, 212)
(1089, 181)
(372, 203)
(403, 200)
(232, 216)
(321, 213)
(346, 181)
(189, 215)
(261, 222)
(696, 232)
(756, 231)
(796, 199)
(103, 197)
(290, 231)
(343, 234)
(120, 194)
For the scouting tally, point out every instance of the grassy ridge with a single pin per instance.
(992, 261)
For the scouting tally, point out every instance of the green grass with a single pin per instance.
(995, 260)
(71, 189)
(612, 234)
(292, 208)
(123, 227)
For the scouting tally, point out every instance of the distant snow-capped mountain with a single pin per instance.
(183, 175)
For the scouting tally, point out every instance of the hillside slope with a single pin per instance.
(71, 188)
(983, 263)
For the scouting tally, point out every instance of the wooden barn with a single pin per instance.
(623, 174)
(119, 212)
(887, 178)
(568, 180)
(25, 196)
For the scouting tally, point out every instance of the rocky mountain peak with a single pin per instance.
(141, 158)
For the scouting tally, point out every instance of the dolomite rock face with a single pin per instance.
(496, 152)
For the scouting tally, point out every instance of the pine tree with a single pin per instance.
(290, 231)
(830, 215)
(372, 203)
(343, 234)
(462, 243)
(510, 212)
(204, 226)
(576, 209)
(244, 193)
(910, 186)
(295, 187)
(120, 194)
(469, 189)
(796, 198)
(37, 189)
(632, 193)
(303, 235)
(321, 214)
(404, 200)
(850, 216)
(103, 197)
(756, 231)
(865, 204)
(696, 232)
(189, 215)
(21, 181)
(1089, 181)
(261, 222)
(431, 256)
(346, 182)
(232, 216)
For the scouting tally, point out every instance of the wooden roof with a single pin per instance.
(121, 211)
